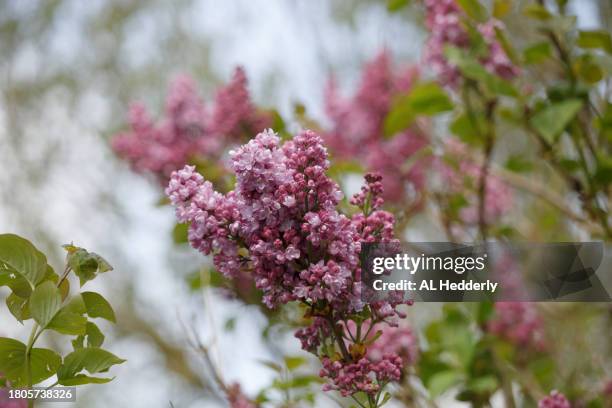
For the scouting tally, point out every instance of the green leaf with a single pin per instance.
(472, 69)
(179, 233)
(603, 173)
(19, 257)
(537, 12)
(484, 385)
(518, 164)
(43, 362)
(442, 381)
(588, 69)
(91, 359)
(537, 53)
(68, 322)
(552, 120)
(501, 8)
(424, 99)
(293, 362)
(45, 302)
(86, 264)
(95, 338)
(474, 9)
(595, 39)
(97, 306)
(18, 307)
(81, 379)
(396, 5)
(467, 128)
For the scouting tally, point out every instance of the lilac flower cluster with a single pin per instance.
(188, 131)
(400, 341)
(5, 401)
(282, 224)
(361, 376)
(518, 323)
(554, 400)
(461, 175)
(447, 28)
(237, 399)
(357, 130)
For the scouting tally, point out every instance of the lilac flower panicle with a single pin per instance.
(519, 323)
(281, 223)
(461, 174)
(234, 115)
(444, 20)
(554, 400)
(188, 132)
(357, 129)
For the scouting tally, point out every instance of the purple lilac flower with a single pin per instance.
(554, 400)
(518, 323)
(446, 26)
(188, 132)
(357, 130)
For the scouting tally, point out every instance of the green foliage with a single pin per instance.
(553, 119)
(598, 39)
(474, 9)
(537, 53)
(85, 264)
(472, 69)
(423, 99)
(38, 293)
(20, 261)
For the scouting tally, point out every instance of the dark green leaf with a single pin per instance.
(552, 120)
(442, 381)
(474, 9)
(86, 264)
(424, 99)
(518, 164)
(19, 256)
(18, 307)
(91, 359)
(95, 338)
(595, 39)
(97, 306)
(537, 53)
(536, 11)
(43, 362)
(45, 302)
(68, 322)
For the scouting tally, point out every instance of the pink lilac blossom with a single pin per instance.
(234, 115)
(357, 130)
(554, 400)
(6, 402)
(518, 323)
(400, 341)
(461, 175)
(607, 389)
(283, 211)
(187, 131)
(237, 399)
(445, 23)
(281, 222)
(363, 375)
